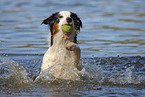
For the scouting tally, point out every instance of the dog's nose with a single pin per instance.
(68, 19)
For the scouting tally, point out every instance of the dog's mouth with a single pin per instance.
(67, 30)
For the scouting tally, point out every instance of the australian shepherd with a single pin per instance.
(62, 59)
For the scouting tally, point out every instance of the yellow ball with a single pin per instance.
(67, 28)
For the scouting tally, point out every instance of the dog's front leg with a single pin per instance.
(76, 52)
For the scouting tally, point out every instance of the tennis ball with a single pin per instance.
(67, 28)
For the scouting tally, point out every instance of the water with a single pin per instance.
(112, 42)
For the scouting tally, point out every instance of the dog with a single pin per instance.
(62, 59)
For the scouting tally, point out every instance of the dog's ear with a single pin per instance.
(50, 20)
(77, 21)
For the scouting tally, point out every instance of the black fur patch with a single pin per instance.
(50, 21)
(77, 23)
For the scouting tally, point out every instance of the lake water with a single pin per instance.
(112, 41)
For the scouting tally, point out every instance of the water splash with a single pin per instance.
(98, 71)
(12, 74)
(91, 72)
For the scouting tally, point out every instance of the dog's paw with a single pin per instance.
(71, 46)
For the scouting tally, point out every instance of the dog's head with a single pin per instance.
(58, 19)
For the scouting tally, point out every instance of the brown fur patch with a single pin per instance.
(55, 29)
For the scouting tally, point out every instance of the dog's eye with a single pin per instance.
(60, 16)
